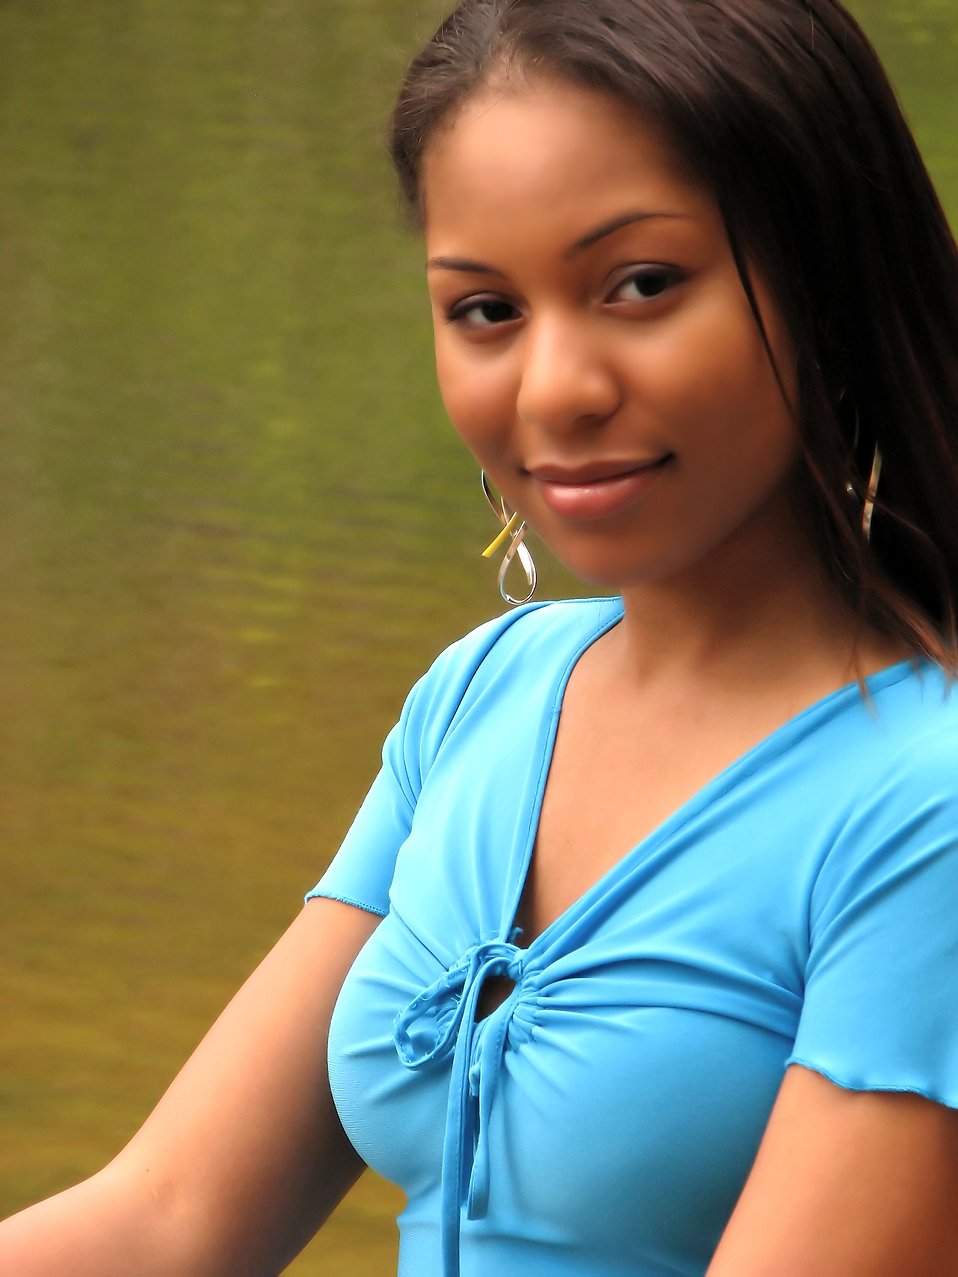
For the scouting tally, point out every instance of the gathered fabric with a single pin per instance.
(441, 1022)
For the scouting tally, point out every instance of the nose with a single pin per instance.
(566, 376)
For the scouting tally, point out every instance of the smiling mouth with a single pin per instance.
(599, 490)
(596, 472)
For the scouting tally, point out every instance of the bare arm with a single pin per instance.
(244, 1156)
(847, 1184)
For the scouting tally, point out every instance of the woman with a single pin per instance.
(645, 932)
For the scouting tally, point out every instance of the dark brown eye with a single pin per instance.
(483, 312)
(496, 312)
(645, 284)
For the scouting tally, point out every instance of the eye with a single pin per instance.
(482, 313)
(645, 284)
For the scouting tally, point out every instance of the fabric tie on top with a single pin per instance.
(439, 1022)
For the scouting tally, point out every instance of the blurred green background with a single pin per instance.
(234, 525)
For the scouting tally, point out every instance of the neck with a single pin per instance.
(760, 606)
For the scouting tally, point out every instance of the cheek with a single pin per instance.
(476, 396)
(727, 393)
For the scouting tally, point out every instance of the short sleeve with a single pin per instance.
(881, 997)
(362, 870)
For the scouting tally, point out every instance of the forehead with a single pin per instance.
(546, 151)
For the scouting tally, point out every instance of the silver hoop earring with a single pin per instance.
(513, 532)
(874, 475)
(871, 494)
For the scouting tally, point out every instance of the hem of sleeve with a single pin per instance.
(894, 1088)
(345, 900)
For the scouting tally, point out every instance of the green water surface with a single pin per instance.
(234, 525)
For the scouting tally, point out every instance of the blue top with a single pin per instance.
(801, 908)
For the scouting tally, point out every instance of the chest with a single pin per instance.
(656, 1014)
(619, 770)
(670, 1097)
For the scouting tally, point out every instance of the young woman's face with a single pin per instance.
(595, 348)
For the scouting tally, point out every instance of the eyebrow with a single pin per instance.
(464, 264)
(615, 224)
(593, 237)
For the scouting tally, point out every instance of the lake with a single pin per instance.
(235, 524)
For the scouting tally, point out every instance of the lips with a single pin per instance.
(596, 490)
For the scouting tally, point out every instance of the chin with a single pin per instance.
(611, 577)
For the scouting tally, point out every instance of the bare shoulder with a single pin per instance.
(847, 1184)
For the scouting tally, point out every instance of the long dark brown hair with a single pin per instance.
(783, 110)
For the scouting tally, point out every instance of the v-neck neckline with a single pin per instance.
(771, 745)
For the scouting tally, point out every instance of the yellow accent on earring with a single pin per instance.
(503, 536)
